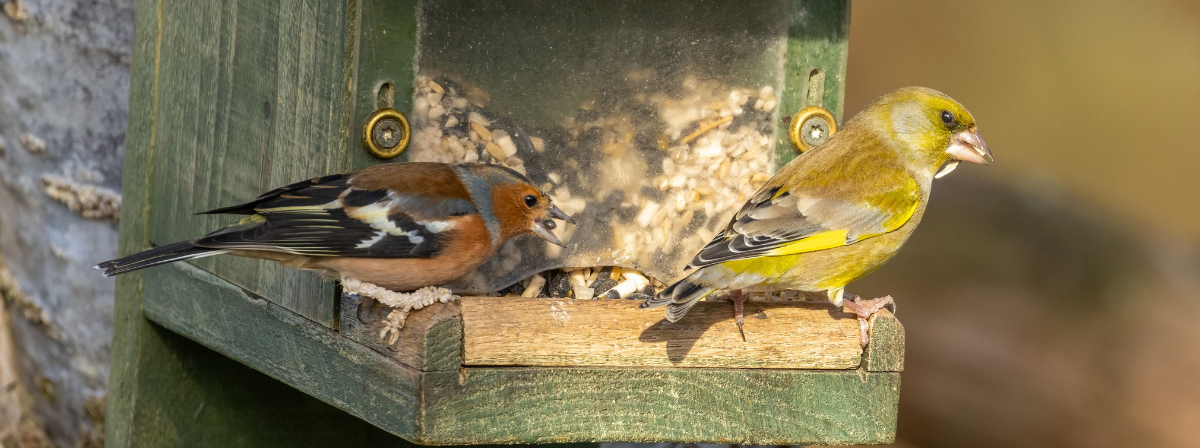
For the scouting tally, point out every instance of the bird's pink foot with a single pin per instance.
(738, 299)
(864, 309)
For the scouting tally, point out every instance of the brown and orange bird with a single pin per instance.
(401, 226)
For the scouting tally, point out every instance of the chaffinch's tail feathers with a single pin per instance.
(678, 298)
(182, 250)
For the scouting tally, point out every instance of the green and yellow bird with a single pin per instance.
(840, 210)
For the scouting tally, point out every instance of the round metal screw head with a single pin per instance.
(387, 133)
(810, 127)
(814, 130)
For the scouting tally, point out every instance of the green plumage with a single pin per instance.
(840, 210)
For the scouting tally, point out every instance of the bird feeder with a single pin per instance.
(649, 122)
(651, 126)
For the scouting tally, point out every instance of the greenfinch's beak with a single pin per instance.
(542, 226)
(967, 146)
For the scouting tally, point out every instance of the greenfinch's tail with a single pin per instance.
(678, 298)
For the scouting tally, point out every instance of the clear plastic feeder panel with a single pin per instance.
(648, 122)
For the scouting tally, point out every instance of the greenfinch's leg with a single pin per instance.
(738, 298)
(864, 309)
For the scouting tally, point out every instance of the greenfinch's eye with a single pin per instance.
(947, 117)
(530, 200)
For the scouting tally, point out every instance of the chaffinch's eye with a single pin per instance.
(947, 117)
(530, 200)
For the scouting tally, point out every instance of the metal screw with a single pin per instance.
(387, 133)
(814, 130)
(810, 127)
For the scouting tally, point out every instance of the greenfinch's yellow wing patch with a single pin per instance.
(778, 222)
(824, 240)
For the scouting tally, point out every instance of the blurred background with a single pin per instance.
(1049, 300)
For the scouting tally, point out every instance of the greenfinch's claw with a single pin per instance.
(864, 309)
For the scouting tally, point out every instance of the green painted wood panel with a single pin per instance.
(387, 48)
(165, 390)
(736, 406)
(303, 354)
(130, 330)
(196, 397)
(886, 352)
(524, 405)
(273, 340)
(251, 95)
(818, 39)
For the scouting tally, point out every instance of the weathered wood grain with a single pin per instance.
(431, 339)
(477, 405)
(130, 330)
(616, 333)
(191, 396)
(164, 389)
(485, 405)
(273, 340)
(742, 406)
(886, 351)
(508, 331)
(251, 96)
(443, 346)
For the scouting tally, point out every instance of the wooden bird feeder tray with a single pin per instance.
(231, 98)
(501, 370)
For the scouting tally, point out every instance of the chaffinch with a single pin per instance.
(401, 226)
(838, 211)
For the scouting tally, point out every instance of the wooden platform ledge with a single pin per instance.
(549, 332)
(512, 370)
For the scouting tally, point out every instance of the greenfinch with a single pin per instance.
(838, 211)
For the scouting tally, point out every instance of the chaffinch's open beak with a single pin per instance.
(556, 213)
(543, 225)
(969, 147)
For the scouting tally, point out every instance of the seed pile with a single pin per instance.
(450, 127)
(650, 171)
(599, 283)
(715, 152)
